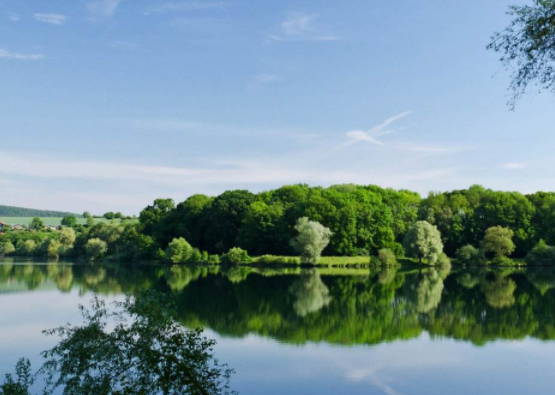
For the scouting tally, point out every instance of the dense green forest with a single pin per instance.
(363, 219)
(351, 220)
(12, 211)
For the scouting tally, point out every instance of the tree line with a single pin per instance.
(362, 219)
(340, 220)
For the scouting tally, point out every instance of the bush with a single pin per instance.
(7, 248)
(95, 249)
(541, 254)
(468, 254)
(179, 251)
(386, 257)
(236, 256)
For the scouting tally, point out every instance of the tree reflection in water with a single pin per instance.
(339, 306)
(310, 292)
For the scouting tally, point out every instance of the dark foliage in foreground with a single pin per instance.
(145, 352)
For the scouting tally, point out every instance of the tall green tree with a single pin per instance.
(311, 239)
(423, 241)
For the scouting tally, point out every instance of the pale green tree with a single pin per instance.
(95, 249)
(67, 236)
(7, 248)
(498, 241)
(423, 241)
(312, 237)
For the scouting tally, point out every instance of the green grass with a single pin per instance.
(324, 261)
(51, 221)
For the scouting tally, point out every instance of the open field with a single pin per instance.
(51, 221)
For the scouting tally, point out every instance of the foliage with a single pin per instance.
(49, 248)
(312, 237)
(236, 256)
(36, 224)
(423, 241)
(25, 247)
(95, 248)
(386, 257)
(498, 241)
(527, 45)
(468, 255)
(541, 254)
(18, 385)
(179, 251)
(7, 248)
(67, 236)
(145, 352)
(69, 221)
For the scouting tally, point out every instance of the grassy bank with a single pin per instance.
(324, 261)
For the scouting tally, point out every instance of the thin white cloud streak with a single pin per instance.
(370, 136)
(355, 136)
(301, 27)
(19, 56)
(104, 8)
(52, 19)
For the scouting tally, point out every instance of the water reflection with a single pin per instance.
(294, 306)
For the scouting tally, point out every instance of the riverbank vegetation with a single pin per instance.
(349, 222)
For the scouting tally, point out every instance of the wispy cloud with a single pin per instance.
(103, 8)
(371, 135)
(19, 56)
(301, 27)
(185, 6)
(13, 17)
(53, 19)
(513, 165)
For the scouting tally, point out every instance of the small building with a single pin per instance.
(3, 226)
(18, 227)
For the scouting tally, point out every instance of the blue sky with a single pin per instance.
(108, 104)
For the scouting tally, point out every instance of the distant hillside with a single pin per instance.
(11, 211)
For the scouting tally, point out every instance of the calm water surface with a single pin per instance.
(396, 331)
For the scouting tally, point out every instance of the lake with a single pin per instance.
(357, 331)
